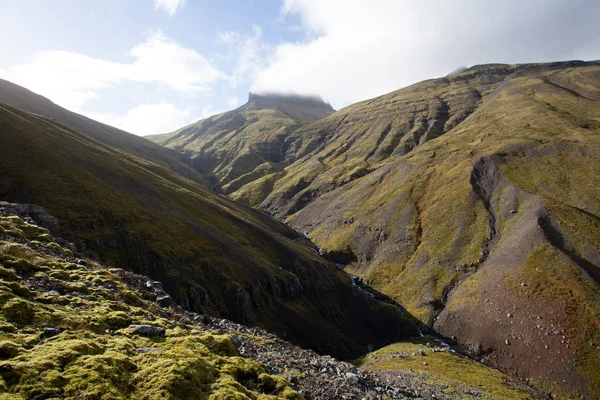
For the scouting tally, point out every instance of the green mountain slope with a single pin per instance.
(23, 99)
(473, 201)
(240, 146)
(211, 253)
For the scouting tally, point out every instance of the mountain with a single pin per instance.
(212, 255)
(472, 201)
(26, 100)
(240, 146)
(71, 328)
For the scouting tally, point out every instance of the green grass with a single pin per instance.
(455, 373)
(415, 224)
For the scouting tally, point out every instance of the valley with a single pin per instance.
(449, 226)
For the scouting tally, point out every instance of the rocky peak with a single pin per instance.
(290, 104)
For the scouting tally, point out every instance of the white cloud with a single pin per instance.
(147, 119)
(228, 37)
(247, 52)
(356, 49)
(209, 111)
(169, 6)
(233, 101)
(71, 79)
(160, 59)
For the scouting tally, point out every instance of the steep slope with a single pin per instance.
(211, 253)
(26, 100)
(73, 328)
(245, 144)
(472, 201)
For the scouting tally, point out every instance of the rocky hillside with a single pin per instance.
(240, 146)
(472, 201)
(72, 328)
(212, 254)
(23, 99)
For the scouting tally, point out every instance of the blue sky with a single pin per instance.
(152, 66)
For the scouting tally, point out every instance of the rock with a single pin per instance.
(352, 377)
(82, 262)
(164, 300)
(35, 213)
(237, 342)
(507, 342)
(143, 350)
(509, 315)
(50, 332)
(148, 330)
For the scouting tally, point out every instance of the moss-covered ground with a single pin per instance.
(90, 352)
(458, 375)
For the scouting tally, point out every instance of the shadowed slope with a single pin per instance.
(26, 100)
(211, 253)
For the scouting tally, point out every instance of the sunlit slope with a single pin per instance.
(240, 146)
(490, 231)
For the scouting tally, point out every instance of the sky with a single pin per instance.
(153, 66)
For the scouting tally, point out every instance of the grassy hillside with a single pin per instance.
(472, 201)
(212, 254)
(240, 146)
(456, 375)
(26, 100)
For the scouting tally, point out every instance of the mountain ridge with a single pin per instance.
(451, 195)
(245, 143)
(29, 101)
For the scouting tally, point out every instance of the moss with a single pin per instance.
(7, 327)
(86, 362)
(221, 344)
(21, 266)
(19, 290)
(60, 275)
(8, 274)
(9, 349)
(117, 320)
(19, 312)
(459, 375)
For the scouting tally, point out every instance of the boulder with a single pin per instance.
(50, 332)
(164, 300)
(148, 330)
(35, 213)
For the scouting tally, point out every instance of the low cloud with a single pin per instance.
(357, 49)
